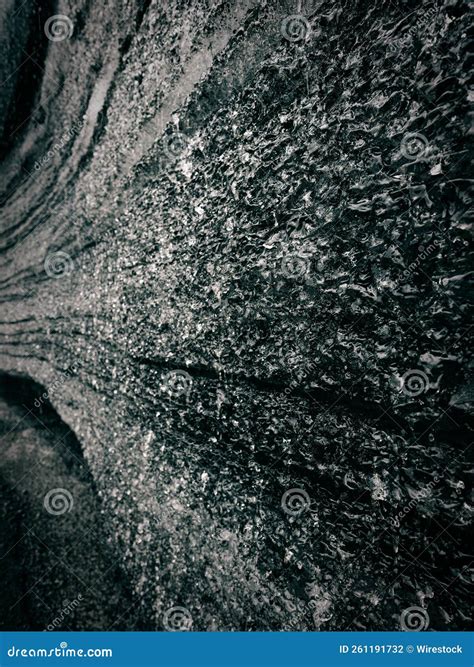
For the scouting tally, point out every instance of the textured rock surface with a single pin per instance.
(57, 569)
(196, 192)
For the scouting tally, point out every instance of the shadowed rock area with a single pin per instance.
(58, 567)
(234, 255)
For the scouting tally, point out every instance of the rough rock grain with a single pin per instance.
(244, 209)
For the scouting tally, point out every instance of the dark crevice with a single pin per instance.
(453, 424)
(29, 76)
(55, 553)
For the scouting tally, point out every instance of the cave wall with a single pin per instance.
(247, 234)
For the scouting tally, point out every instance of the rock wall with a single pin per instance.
(244, 224)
